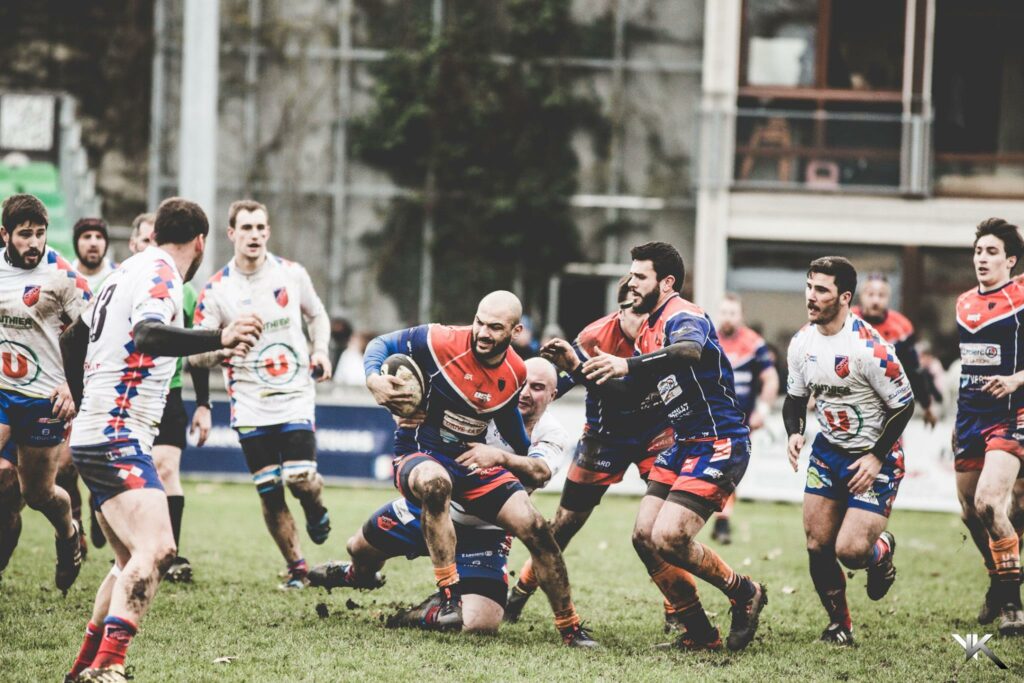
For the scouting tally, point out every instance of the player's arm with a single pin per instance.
(387, 390)
(74, 343)
(155, 338)
(509, 423)
(531, 470)
(206, 317)
(685, 337)
(318, 325)
(794, 408)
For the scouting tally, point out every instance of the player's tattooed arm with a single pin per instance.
(159, 339)
(74, 343)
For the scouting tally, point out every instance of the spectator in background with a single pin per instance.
(91, 244)
(551, 331)
(341, 332)
(349, 370)
(523, 342)
(931, 365)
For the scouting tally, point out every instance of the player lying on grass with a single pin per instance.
(481, 553)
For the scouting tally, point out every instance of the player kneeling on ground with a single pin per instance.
(119, 361)
(481, 552)
(863, 401)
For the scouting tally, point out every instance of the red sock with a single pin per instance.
(527, 579)
(567, 619)
(90, 644)
(117, 636)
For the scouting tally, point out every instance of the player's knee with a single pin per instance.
(435, 492)
(853, 555)
(163, 556)
(299, 474)
(268, 481)
(671, 540)
(357, 545)
(643, 543)
(985, 510)
(536, 533)
(37, 497)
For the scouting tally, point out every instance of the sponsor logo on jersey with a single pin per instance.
(689, 465)
(712, 472)
(816, 479)
(386, 523)
(828, 390)
(482, 396)
(19, 364)
(869, 497)
(681, 411)
(722, 450)
(277, 364)
(463, 425)
(281, 296)
(15, 321)
(981, 354)
(669, 389)
(843, 366)
(279, 324)
(31, 295)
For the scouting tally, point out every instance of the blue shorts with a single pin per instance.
(481, 555)
(112, 468)
(704, 469)
(274, 430)
(975, 435)
(829, 472)
(31, 420)
(482, 493)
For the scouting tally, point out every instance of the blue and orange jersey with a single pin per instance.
(991, 326)
(699, 398)
(749, 356)
(614, 415)
(462, 395)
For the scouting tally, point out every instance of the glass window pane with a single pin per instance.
(865, 48)
(781, 38)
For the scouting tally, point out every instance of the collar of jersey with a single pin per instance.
(653, 317)
(980, 293)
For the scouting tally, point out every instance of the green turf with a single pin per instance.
(234, 609)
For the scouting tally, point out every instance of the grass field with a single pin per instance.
(233, 609)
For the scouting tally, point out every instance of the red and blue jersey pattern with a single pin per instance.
(991, 344)
(699, 398)
(616, 416)
(462, 394)
(749, 356)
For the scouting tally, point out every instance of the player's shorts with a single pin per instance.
(481, 493)
(268, 446)
(10, 453)
(829, 472)
(109, 469)
(976, 435)
(481, 555)
(701, 474)
(602, 461)
(31, 420)
(173, 423)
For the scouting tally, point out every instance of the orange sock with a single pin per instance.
(527, 579)
(446, 576)
(1006, 555)
(567, 618)
(714, 570)
(678, 587)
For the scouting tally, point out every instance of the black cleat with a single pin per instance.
(180, 571)
(690, 644)
(837, 634)
(745, 618)
(882, 575)
(722, 531)
(109, 674)
(990, 608)
(578, 636)
(319, 530)
(442, 611)
(339, 575)
(517, 599)
(69, 559)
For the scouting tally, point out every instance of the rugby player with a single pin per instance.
(756, 382)
(481, 553)
(619, 431)
(10, 504)
(897, 330)
(39, 294)
(987, 442)
(170, 437)
(272, 389)
(473, 377)
(679, 354)
(119, 363)
(863, 401)
(91, 244)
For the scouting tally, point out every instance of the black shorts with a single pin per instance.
(274, 447)
(173, 423)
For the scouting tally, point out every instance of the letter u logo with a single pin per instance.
(15, 369)
(275, 369)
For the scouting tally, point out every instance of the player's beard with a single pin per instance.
(18, 260)
(875, 318)
(193, 267)
(497, 350)
(647, 302)
(826, 314)
(726, 329)
(91, 260)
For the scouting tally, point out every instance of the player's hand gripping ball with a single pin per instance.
(408, 392)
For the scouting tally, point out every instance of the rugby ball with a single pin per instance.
(404, 368)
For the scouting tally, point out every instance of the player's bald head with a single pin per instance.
(502, 305)
(540, 370)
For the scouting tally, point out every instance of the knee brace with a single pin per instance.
(298, 471)
(268, 479)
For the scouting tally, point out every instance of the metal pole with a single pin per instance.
(426, 255)
(337, 262)
(252, 69)
(156, 108)
(197, 139)
(615, 166)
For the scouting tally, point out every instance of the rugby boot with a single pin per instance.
(1011, 620)
(319, 530)
(180, 571)
(722, 531)
(115, 673)
(882, 575)
(340, 575)
(673, 622)
(837, 634)
(442, 611)
(69, 559)
(745, 617)
(578, 636)
(296, 577)
(990, 608)
(687, 642)
(517, 599)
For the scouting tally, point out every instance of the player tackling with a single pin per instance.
(863, 401)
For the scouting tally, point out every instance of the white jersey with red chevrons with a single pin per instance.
(854, 377)
(272, 384)
(36, 304)
(125, 391)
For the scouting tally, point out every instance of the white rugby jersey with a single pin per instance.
(36, 304)
(125, 390)
(96, 281)
(854, 377)
(272, 384)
